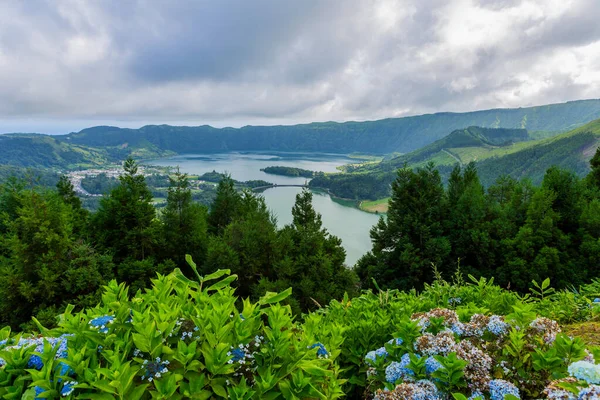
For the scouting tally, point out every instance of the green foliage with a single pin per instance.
(184, 225)
(181, 339)
(46, 267)
(125, 221)
(514, 232)
(312, 260)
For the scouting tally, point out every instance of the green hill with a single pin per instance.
(519, 159)
(444, 150)
(381, 137)
(42, 151)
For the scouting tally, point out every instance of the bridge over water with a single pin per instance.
(256, 189)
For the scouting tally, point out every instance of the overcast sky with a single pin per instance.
(66, 65)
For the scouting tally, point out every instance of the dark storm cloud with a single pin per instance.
(270, 61)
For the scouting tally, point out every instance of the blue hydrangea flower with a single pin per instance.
(458, 328)
(101, 323)
(35, 362)
(497, 326)
(589, 393)
(425, 390)
(321, 350)
(476, 396)
(585, 370)
(38, 392)
(68, 388)
(399, 370)
(597, 300)
(396, 341)
(454, 300)
(432, 365)
(500, 388)
(372, 355)
(155, 369)
(237, 354)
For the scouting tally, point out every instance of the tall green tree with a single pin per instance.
(312, 260)
(66, 192)
(411, 240)
(184, 225)
(124, 222)
(224, 207)
(47, 267)
(248, 245)
(466, 223)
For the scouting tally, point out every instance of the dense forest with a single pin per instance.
(514, 231)
(54, 252)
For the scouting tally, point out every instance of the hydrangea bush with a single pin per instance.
(372, 318)
(179, 339)
(437, 354)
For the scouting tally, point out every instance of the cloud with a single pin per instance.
(234, 62)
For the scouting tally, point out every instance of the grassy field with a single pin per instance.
(376, 206)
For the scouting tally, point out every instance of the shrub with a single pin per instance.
(176, 339)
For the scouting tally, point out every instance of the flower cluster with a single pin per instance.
(479, 342)
(545, 327)
(421, 390)
(430, 345)
(399, 370)
(102, 323)
(555, 392)
(155, 368)
(68, 388)
(321, 350)
(449, 316)
(591, 392)
(497, 326)
(586, 371)
(372, 356)
(35, 362)
(477, 372)
(477, 326)
(500, 388)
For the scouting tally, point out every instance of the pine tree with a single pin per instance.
(312, 260)
(124, 222)
(411, 240)
(224, 207)
(184, 226)
(66, 192)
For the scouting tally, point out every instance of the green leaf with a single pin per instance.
(96, 396)
(137, 392)
(223, 283)
(216, 275)
(271, 297)
(546, 283)
(219, 390)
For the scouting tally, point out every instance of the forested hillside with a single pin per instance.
(514, 158)
(44, 151)
(383, 136)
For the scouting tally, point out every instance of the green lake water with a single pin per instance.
(348, 223)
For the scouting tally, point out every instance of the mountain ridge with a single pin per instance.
(383, 136)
